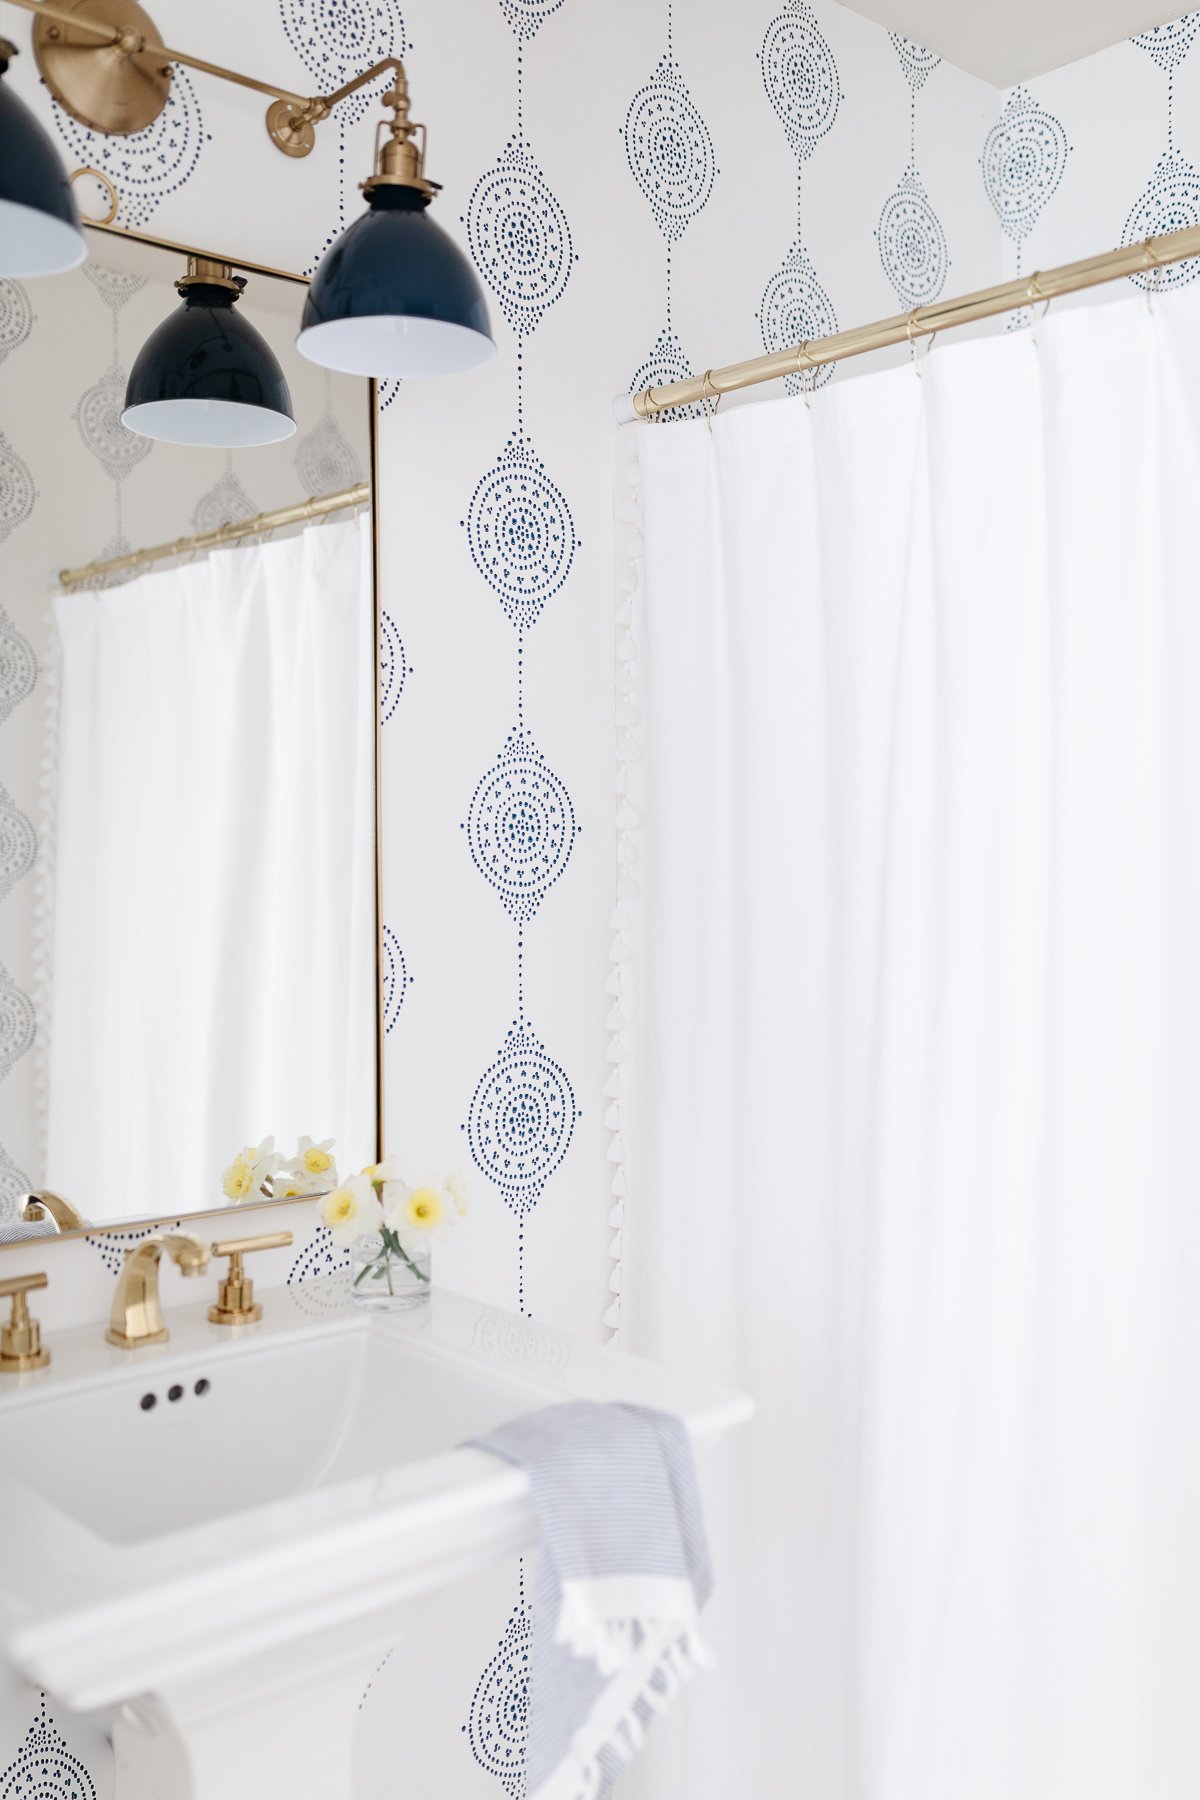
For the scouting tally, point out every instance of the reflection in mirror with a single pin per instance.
(187, 752)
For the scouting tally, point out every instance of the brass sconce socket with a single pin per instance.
(399, 157)
(203, 271)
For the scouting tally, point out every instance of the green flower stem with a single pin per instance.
(382, 1264)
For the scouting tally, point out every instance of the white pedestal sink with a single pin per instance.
(224, 1566)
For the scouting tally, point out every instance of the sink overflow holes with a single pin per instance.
(149, 1401)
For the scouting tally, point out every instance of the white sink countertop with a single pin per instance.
(306, 1472)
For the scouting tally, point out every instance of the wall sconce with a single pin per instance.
(205, 376)
(39, 220)
(393, 296)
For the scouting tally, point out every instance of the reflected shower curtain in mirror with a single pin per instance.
(211, 923)
(916, 1060)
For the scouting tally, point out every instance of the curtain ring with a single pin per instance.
(1154, 278)
(911, 328)
(114, 199)
(806, 369)
(1033, 293)
(710, 409)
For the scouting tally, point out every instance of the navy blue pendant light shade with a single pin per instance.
(205, 376)
(395, 296)
(39, 221)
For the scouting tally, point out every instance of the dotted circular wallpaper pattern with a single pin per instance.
(912, 244)
(17, 492)
(669, 149)
(519, 237)
(520, 532)
(1024, 156)
(151, 164)
(43, 1767)
(800, 77)
(18, 664)
(521, 1120)
(521, 826)
(795, 308)
(498, 1725)
(18, 843)
(16, 317)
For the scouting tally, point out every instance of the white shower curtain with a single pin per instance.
(211, 936)
(916, 1070)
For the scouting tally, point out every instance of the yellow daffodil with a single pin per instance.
(424, 1210)
(352, 1210)
(428, 1209)
(317, 1159)
(250, 1174)
(237, 1182)
(311, 1171)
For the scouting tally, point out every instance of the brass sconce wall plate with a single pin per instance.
(289, 130)
(117, 88)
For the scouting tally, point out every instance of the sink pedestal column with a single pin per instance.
(281, 1722)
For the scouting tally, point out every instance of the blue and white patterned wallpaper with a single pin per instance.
(646, 188)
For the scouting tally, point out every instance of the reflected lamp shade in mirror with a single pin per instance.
(205, 376)
(39, 220)
(395, 296)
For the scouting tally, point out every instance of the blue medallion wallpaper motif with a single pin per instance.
(912, 244)
(43, 1767)
(150, 165)
(521, 539)
(671, 157)
(117, 450)
(520, 825)
(1170, 200)
(499, 1717)
(1024, 159)
(801, 81)
(18, 679)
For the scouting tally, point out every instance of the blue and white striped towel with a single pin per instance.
(623, 1571)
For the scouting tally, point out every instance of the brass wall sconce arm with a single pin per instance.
(105, 63)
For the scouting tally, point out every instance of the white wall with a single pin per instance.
(861, 114)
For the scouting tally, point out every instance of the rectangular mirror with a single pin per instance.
(189, 932)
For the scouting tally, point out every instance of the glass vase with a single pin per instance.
(387, 1276)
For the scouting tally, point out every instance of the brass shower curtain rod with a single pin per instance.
(923, 321)
(298, 514)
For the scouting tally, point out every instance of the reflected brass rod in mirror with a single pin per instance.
(304, 510)
(147, 1206)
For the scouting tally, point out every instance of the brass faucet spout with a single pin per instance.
(36, 1205)
(136, 1316)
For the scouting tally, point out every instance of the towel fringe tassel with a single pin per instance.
(587, 1766)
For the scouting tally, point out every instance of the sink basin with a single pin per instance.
(220, 1535)
(211, 1434)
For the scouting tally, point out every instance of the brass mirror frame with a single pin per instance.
(151, 1221)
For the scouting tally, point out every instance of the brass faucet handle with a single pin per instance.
(235, 1302)
(21, 1338)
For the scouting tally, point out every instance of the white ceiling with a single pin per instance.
(1006, 41)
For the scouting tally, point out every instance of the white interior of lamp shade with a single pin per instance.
(33, 242)
(387, 344)
(211, 424)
